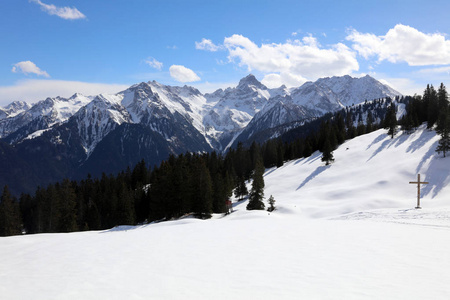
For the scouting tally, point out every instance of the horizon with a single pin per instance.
(59, 48)
(182, 85)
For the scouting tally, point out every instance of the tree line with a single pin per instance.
(200, 184)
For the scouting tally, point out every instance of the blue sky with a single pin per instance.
(59, 47)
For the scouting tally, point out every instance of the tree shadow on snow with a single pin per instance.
(437, 173)
(419, 142)
(312, 158)
(378, 139)
(312, 176)
(397, 141)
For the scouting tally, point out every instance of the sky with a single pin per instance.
(54, 48)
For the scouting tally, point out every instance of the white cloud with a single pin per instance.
(27, 67)
(288, 79)
(68, 13)
(441, 70)
(208, 87)
(183, 74)
(403, 44)
(207, 45)
(154, 63)
(32, 90)
(405, 86)
(292, 61)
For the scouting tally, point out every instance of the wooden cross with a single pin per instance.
(418, 182)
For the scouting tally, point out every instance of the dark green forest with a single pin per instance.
(200, 183)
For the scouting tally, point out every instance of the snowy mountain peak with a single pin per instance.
(329, 94)
(14, 109)
(250, 80)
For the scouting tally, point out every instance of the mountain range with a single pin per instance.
(71, 137)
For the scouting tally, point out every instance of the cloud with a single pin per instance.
(406, 86)
(154, 63)
(403, 44)
(67, 13)
(292, 62)
(27, 67)
(207, 45)
(33, 90)
(441, 70)
(276, 80)
(210, 87)
(183, 74)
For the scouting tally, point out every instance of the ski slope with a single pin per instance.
(345, 231)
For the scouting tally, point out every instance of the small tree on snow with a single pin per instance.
(327, 155)
(257, 191)
(271, 203)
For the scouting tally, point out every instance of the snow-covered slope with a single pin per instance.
(370, 172)
(346, 231)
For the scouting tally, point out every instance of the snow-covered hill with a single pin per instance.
(345, 231)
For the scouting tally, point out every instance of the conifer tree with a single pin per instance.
(327, 155)
(390, 121)
(241, 190)
(443, 122)
(430, 97)
(202, 191)
(271, 204)
(67, 222)
(444, 132)
(443, 107)
(10, 221)
(257, 191)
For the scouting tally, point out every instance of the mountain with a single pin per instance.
(309, 101)
(331, 94)
(345, 231)
(232, 109)
(25, 119)
(13, 109)
(107, 133)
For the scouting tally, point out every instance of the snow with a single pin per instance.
(345, 231)
(36, 134)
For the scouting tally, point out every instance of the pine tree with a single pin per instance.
(67, 222)
(10, 221)
(443, 121)
(241, 190)
(444, 132)
(430, 97)
(390, 121)
(257, 191)
(443, 107)
(327, 155)
(202, 191)
(271, 203)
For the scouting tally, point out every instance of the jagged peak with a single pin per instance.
(250, 80)
(76, 95)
